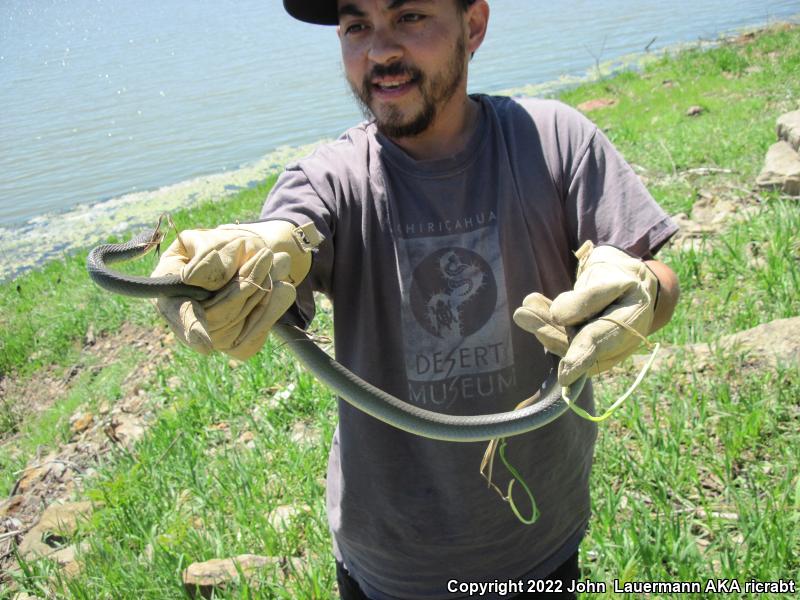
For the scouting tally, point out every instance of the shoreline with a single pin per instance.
(52, 235)
(636, 61)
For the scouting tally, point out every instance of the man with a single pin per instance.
(444, 218)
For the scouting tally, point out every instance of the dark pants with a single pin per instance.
(566, 573)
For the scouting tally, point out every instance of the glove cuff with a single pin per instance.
(658, 286)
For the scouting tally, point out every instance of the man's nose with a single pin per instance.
(384, 47)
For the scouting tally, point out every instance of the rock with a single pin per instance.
(32, 476)
(58, 523)
(80, 422)
(692, 235)
(596, 104)
(695, 110)
(774, 342)
(57, 470)
(781, 169)
(282, 516)
(204, 577)
(788, 126)
(65, 557)
(33, 545)
(247, 439)
(11, 505)
(713, 212)
(710, 215)
(304, 434)
(134, 403)
(90, 339)
(768, 344)
(127, 429)
(87, 448)
(63, 519)
(294, 566)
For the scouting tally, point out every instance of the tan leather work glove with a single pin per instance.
(254, 269)
(595, 325)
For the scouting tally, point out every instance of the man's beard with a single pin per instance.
(435, 93)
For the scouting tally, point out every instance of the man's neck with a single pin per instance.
(448, 134)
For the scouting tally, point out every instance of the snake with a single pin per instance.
(546, 405)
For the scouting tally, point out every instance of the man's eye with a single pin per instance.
(412, 17)
(354, 28)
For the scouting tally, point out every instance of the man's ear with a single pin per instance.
(477, 22)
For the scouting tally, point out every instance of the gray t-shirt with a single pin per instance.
(425, 262)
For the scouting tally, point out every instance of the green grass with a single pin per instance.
(697, 477)
(724, 292)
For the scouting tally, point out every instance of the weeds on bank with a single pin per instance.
(45, 314)
(43, 432)
(205, 480)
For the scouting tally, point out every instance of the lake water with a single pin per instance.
(109, 103)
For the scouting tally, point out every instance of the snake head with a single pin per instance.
(158, 236)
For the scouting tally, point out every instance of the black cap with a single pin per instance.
(319, 12)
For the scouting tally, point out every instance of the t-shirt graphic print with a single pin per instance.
(455, 315)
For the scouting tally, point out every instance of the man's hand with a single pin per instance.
(602, 320)
(253, 268)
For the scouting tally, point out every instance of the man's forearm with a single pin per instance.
(668, 293)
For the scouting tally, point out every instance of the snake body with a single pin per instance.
(359, 393)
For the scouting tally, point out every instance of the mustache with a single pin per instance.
(393, 70)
